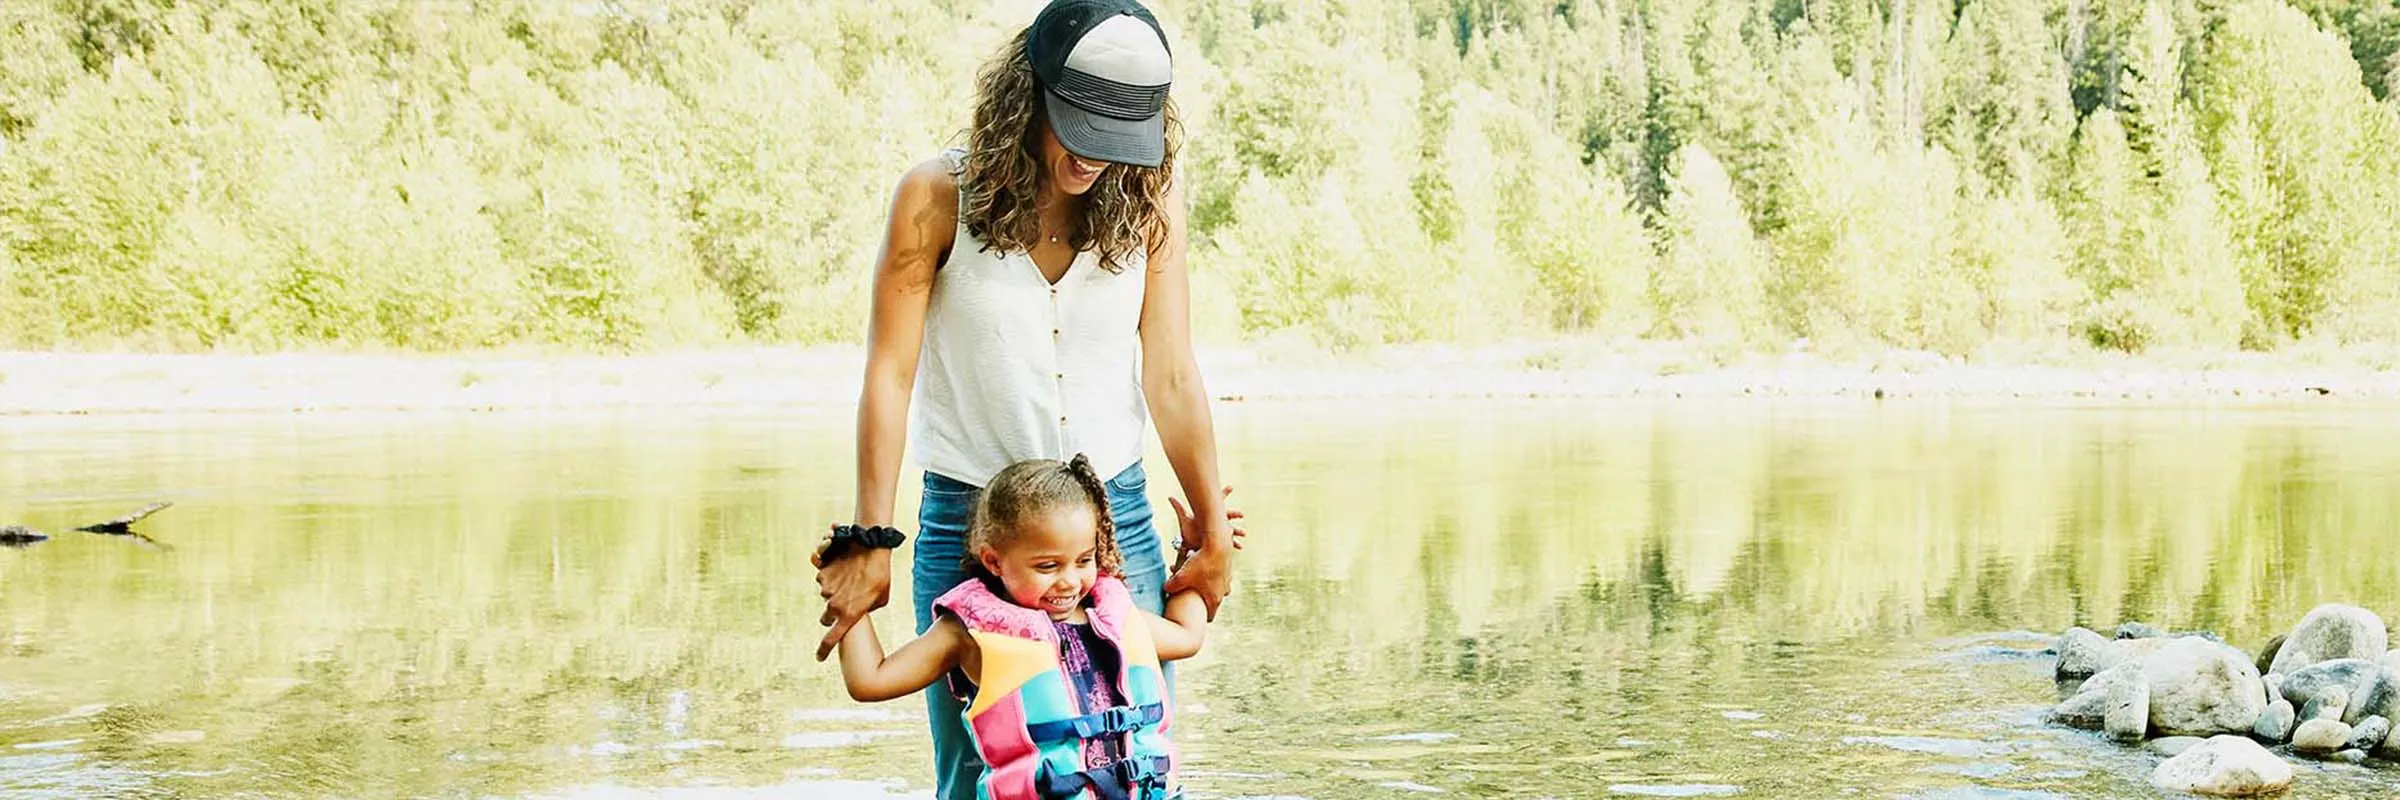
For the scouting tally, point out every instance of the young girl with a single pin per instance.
(1060, 670)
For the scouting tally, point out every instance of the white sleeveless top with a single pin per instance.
(1013, 367)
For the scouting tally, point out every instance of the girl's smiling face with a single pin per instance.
(1051, 562)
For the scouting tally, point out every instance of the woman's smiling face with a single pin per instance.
(1072, 174)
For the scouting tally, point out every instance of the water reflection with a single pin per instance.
(1485, 600)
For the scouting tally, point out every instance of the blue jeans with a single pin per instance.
(938, 567)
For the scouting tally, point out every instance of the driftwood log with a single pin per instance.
(22, 536)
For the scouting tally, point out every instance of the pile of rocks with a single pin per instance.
(2329, 689)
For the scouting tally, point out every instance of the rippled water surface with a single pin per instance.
(1521, 600)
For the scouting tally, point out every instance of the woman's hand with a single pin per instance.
(856, 583)
(1207, 572)
(1205, 569)
(1190, 531)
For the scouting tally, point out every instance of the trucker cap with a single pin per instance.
(1104, 70)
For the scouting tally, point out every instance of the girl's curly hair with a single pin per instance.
(1034, 486)
(1002, 175)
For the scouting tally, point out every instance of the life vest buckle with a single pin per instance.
(1135, 772)
(1122, 719)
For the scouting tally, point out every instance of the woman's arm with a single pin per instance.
(1179, 406)
(924, 221)
(873, 677)
(1179, 634)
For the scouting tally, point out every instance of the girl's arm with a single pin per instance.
(873, 677)
(1179, 634)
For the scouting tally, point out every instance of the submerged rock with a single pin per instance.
(2172, 746)
(2349, 757)
(2275, 726)
(1675, 789)
(1956, 748)
(2320, 736)
(2329, 632)
(2224, 766)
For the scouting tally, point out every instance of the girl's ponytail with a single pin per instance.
(1106, 548)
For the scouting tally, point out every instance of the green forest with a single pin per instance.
(618, 175)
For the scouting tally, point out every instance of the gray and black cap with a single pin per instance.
(1104, 70)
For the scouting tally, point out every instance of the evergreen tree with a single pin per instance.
(1940, 174)
(1711, 283)
(2290, 122)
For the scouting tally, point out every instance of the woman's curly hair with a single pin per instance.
(1003, 172)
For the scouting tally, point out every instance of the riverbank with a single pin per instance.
(60, 383)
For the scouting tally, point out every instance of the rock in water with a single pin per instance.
(2275, 726)
(2381, 698)
(2172, 746)
(2266, 655)
(2328, 703)
(2369, 733)
(2197, 688)
(2224, 766)
(2349, 757)
(2088, 709)
(2128, 716)
(2363, 685)
(2320, 736)
(2082, 653)
(2332, 631)
(2203, 688)
(2138, 630)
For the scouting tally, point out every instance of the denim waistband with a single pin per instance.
(941, 482)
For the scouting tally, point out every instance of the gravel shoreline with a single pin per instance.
(827, 377)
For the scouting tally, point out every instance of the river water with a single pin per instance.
(1479, 600)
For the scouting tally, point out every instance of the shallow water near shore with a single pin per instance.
(1542, 599)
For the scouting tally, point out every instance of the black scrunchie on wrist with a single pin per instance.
(846, 537)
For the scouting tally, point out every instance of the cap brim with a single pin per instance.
(1099, 137)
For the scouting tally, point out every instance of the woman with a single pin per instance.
(1019, 286)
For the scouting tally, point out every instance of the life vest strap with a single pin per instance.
(1108, 783)
(1105, 722)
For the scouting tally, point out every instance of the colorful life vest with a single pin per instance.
(1023, 713)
